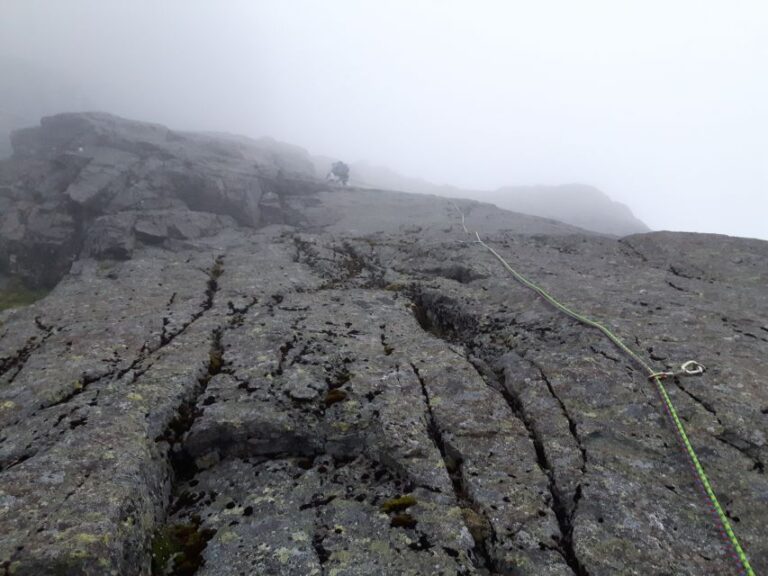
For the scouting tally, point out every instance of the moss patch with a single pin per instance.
(177, 549)
(398, 504)
(477, 524)
(403, 521)
(334, 396)
(15, 294)
(216, 361)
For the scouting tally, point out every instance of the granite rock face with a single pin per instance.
(353, 386)
(97, 184)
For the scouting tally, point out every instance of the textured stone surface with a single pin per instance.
(358, 388)
(101, 183)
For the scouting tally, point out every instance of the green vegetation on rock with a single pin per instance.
(398, 504)
(15, 294)
(177, 548)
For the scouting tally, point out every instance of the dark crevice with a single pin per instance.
(320, 529)
(80, 386)
(564, 510)
(437, 316)
(317, 501)
(679, 273)
(322, 554)
(737, 329)
(305, 251)
(23, 458)
(212, 286)
(457, 273)
(346, 267)
(237, 313)
(147, 349)
(474, 518)
(178, 548)
(358, 263)
(746, 448)
(633, 249)
(164, 333)
(423, 543)
(285, 348)
(703, 403)
(388, 349)
(603, 353)
(16, 362)
(572, 426)
(41, 325)
(675, 286)
(352, 263)
(188, 411)
(167, 321)
(274, 300)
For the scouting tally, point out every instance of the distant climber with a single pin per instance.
(339, 173)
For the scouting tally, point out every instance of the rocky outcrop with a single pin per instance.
(361, 389)
(94, 184)
(97, 185)
(576, 204)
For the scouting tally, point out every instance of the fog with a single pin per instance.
(662, 105)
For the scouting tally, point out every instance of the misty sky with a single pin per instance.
(661, 104)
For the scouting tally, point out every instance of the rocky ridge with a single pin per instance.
(575, 204)
(242, 370)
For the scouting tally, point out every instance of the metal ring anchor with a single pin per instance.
(689, 368)
(692, 368)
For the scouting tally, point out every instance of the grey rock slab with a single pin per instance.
(87, 501)
(315, 379)
(318, 516)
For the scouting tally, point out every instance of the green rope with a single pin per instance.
(699, 469)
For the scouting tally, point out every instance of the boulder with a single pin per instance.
(111, 237)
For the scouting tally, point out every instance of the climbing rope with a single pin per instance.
(689, 368)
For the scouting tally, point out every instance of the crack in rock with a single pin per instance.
(564, 512)
(572, 426)
(148, 350)
(475, 519)
(746, 448)
(433, 319)
(17, 361)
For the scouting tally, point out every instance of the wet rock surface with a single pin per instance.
(358, 388)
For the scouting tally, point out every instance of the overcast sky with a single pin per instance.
(661, 104)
